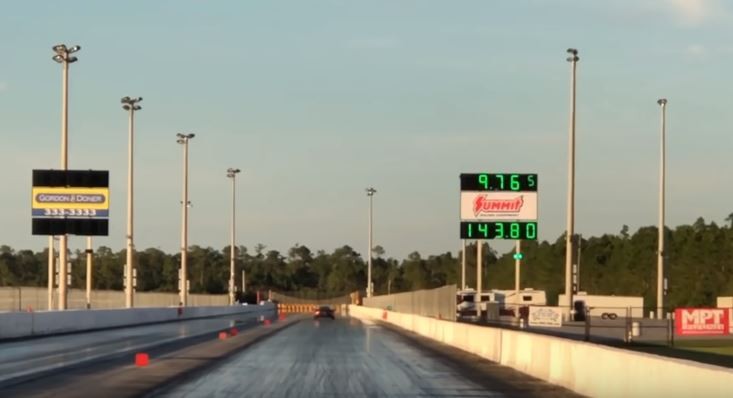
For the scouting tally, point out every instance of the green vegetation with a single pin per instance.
(720, 349)
(699, 267)
(713, 351)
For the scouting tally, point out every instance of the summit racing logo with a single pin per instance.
(483, 205)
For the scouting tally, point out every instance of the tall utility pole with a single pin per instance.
(660, 250)
(577, 263)
(130, 105)
(183, 139)
(370, 192)
(573, 59)
(64, 57)
(232, 173)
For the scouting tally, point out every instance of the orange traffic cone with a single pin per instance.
(142, 359)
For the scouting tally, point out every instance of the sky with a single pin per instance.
(316, 100)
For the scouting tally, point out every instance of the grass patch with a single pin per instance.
(720, 347)
(712, 351)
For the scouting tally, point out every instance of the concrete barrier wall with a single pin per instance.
(589, 369)
(436, 303)
(26, 324)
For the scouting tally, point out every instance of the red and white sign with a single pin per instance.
(498, 206)
(701, 321)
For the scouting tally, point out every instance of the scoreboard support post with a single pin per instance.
(463, 264)
(479, 274)
(51, 271)
(517, 274)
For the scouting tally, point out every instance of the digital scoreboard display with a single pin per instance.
(499, 230)
(498, 206)
(499, 182)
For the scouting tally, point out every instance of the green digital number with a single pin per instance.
(470, 230)
(514, 230)
(531, 230)
(514, 182)
(530, 181)
(499, 230)
(484, 229)
(501, 180)
(483, 179)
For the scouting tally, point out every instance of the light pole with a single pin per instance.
(370, 193)
(64, 57)
(232, 173)
(130, 105)
(660, 251)
(183, 139)
(577, 264)
(573, 59)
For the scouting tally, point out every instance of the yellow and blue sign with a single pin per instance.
(70, 201)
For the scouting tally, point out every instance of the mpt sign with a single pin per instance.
(701, 321)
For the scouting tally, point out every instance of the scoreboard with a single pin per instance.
(498, 206)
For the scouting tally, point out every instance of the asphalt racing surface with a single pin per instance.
(347, 358)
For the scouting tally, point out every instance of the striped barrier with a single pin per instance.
(301, 308)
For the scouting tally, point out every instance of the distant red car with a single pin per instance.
(324, 312)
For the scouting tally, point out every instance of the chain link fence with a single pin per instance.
(637, 328)
(36, 299)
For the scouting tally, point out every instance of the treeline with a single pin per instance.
(699, 260)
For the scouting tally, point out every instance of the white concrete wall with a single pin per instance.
(25, 324)
(589, 369)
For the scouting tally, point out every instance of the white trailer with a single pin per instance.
(599, 305)
(725, 302)
(526, 297)
(466, 304)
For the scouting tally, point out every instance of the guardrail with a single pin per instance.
(437, 303)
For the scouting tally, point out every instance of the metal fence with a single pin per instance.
(626, 326)
(436, 303)
(36, 298)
